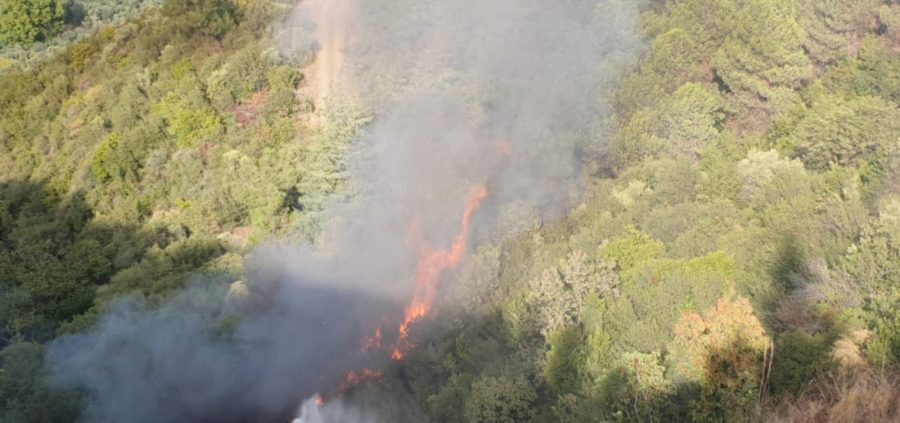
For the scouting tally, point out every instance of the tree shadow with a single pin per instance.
(49, 272)
(164, 352)
(55, 258)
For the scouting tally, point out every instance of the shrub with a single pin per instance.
(188, 124)
(556, 297)
(862, 397)
(800, 357)
(636, 388)
(104, 165)
(500, 400)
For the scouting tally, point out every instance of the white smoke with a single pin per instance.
(333, 412)
(503, 93)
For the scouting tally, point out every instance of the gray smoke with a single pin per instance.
(465, 93)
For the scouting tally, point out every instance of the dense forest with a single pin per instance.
(735, 257)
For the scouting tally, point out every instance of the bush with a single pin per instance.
(188, 123)
(800, 357)
(210, 17)
(500, 400)
(26, 396)
(104, 165)
(636, 388)
(884, 349)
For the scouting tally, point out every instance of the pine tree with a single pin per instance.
(835, 26)
(763, 58)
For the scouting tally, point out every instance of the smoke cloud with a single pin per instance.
(335, 412)
(505, 94)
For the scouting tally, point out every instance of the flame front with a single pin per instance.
(431, 266)
(372, 342)
(353, 378)
(432, 263)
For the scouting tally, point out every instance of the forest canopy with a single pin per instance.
(736, 255)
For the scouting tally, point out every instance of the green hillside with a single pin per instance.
(736, 256)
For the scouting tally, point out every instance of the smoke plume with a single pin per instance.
(466, 94)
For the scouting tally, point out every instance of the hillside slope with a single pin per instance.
(736, 256)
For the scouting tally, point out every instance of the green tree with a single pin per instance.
(28, 21)
(104, 166)
(881, 312)
(674, 59)
(762, 60)
(557, 296)
(799, 358)
(709, 21)
(500, 400)
(25, 395)
(761, 168)
(843, 131)
(873, 262)
(875, 73)
(636, 387)
(448, 404)
(835, 26)
(679, 124)
(188, 123)
(209, 17)
(565, 360)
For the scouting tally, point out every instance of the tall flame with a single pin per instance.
(432, 263)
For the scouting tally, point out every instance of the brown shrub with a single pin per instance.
(864, 397)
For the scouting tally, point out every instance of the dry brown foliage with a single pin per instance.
(864, 397)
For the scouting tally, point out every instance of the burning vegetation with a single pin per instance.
(432, 264)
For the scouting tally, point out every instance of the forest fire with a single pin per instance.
(432, 264)
(372, 342)
(354, 378)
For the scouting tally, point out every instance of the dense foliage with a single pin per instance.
(736, 259)
(739, 261)
(129, 165)
(27, 21)
(35, 30)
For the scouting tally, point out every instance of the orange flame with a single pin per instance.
(354, 378)
(372, 342)
(432, 263)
